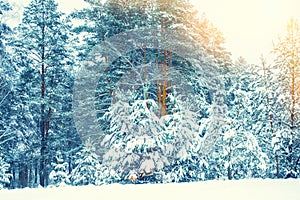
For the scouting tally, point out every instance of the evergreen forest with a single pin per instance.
(132, 91)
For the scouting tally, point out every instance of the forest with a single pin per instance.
(130, 91)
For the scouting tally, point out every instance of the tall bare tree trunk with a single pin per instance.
(292, 111)
(162, 87)
(145, 89)
(43, 170)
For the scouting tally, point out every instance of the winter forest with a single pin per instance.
(131, 91)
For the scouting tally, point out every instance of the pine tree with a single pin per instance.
(5, 86)
(4, 60)
(7, 78)
(286, 104)
(42, 51)
(263, 116)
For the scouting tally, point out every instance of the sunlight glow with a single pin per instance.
(249, 26)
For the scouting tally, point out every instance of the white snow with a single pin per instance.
(255, 189)
(229, 134)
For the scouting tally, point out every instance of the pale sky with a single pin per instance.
(249, 26)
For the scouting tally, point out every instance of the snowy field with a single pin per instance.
(232, 190)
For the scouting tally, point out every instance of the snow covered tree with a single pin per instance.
(104, 20)
(5, 83)
(59, 175)
(246, 112)
(154, 75)
(4, 175)
(237, 153)
(136, 139)
(213, 127)
(87, 168)
(5, 90)
(13, 15)
(263, 113)
(4, 60)
(8, 75)
(286, 71)
(180, 15)
(43, 52)
(183, 131)
(4, 29)
(143, 147)
(101, 20)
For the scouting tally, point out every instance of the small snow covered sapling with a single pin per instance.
(4, 175)
(59, 175)
(88, 168)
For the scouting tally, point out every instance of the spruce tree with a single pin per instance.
(87, 168)
(59, 175)
(136, 139)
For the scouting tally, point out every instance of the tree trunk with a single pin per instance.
(43, 130)
(145, 85)
(164, 89)
(43, 172)
(292, 117)
(162, 92)
(36, 172)
(229, 170)
(23, 174)
(16, 180)
(277, 166)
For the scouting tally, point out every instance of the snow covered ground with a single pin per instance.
(242, 190)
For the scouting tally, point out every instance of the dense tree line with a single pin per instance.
(169, 104)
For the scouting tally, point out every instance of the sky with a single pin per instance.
(249, 26)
